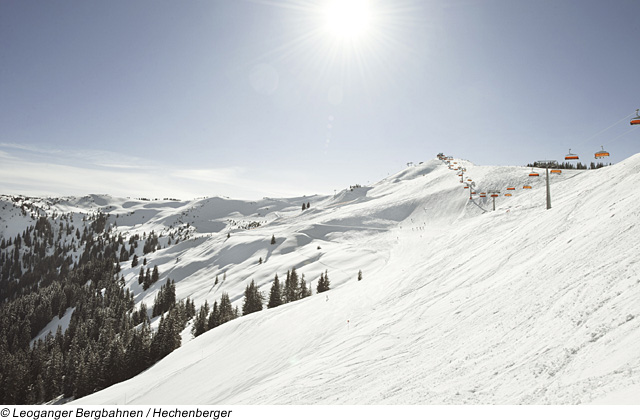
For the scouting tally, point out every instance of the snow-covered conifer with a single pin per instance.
(275, 297)
(252, 299)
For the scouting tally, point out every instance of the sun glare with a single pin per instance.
(339, 42)
(348, 19)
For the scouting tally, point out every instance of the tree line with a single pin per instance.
(55, 269)
(569, 165)
(294, 288)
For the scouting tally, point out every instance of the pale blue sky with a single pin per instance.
(252, 98)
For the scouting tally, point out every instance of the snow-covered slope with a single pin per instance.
(457, 304)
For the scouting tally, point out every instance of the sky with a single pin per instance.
(281, 98)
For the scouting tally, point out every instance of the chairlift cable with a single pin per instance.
(611, 126)
(626, 118)
(623, 134)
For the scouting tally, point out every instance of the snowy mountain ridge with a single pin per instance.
(458, 304)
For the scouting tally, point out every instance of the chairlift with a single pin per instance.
(556, 171)
(511, 188)
(636, 120)
(495, 195)
(508, 195)
(602, 153)
(571, 156)
(526, 187)
(534, 173)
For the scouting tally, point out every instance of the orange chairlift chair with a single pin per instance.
(571, 156)
(602, 153)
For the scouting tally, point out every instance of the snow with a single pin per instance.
(52, 326)
(458, 304)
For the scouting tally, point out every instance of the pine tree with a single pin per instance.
(320, 286)
(135, 261)
(53, 373)
(158, 344)
(165, 299)
(200, 324)
(323, 283)
(252, 299)
(283, 292)
(275, 297)
(214, 318)
(170, 293)
(140, 315)
(190, 308)
(304, 290)
(359, 275)
(291, 287)
(147, 279)
(227, 312)
(155, 275)
(273, 239)
(167, 338)
(138, 350)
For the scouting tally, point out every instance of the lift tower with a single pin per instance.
(547, 164)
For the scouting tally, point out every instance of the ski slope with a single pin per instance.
(458, 304)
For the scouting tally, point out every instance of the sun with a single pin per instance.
(348, 20)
